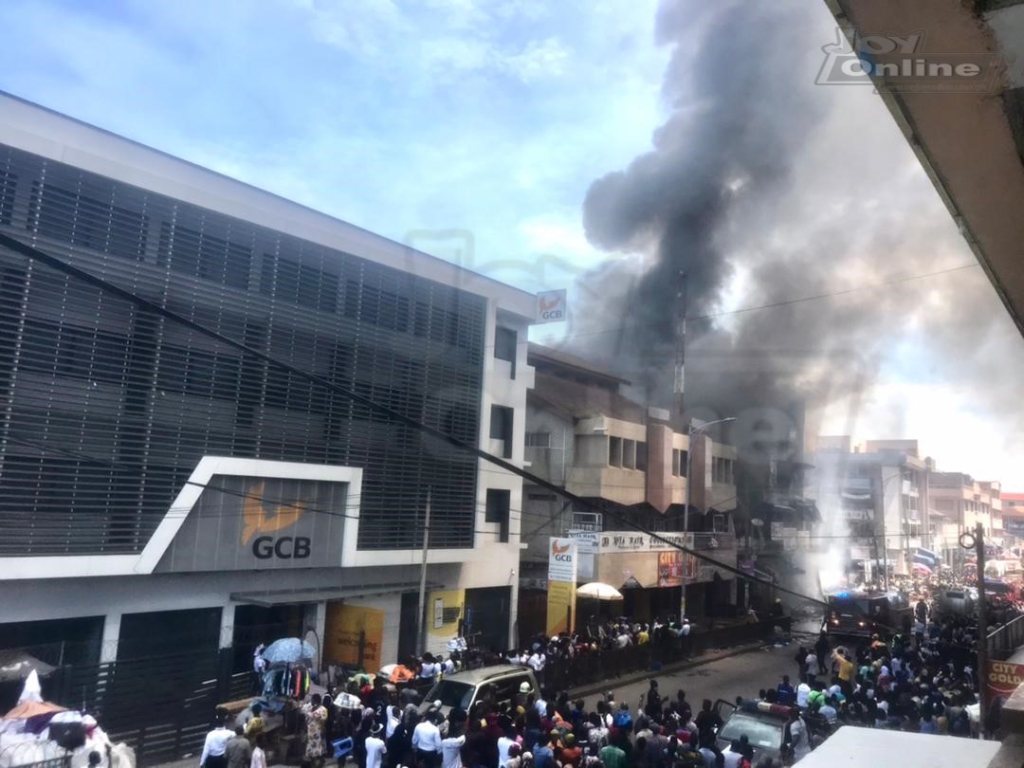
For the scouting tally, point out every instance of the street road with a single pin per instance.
(741, 675)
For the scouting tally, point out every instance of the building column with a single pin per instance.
(316, 619)
(111, 635)
(227, 626)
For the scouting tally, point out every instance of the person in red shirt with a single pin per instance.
(570, 754)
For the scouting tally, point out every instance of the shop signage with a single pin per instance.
(670, 569)
(627, 541)
(551, 307)
(1002, 679)
(562, 560)
(587, 545)
(251, 523)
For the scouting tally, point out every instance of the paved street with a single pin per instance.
(728, 678)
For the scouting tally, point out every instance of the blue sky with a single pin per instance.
(492, 118)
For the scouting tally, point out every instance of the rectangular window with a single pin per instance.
(683, 458)
(615, 451)
(675, 462)
(498, 503)
(629, 454)
(89, 222)
(505, 342)
(198, 254)
(370, 304)
(299, 284)
(501, 428)
(538, 439)
(7, 182)
(641, 456)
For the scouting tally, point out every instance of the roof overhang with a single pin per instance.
(968, 143)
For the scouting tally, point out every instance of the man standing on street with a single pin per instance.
(537, 661)
(216, 742)
(426, 741)
(375, 748)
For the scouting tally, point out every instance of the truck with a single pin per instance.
(849, 614)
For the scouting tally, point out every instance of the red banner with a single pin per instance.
(1002, 679)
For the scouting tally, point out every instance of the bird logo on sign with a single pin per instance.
(559, 550)
(257, 521)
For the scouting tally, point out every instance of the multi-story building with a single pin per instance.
(1013, 520)
(875, 502)
(584, 435)
(959, 503)
(163, 490)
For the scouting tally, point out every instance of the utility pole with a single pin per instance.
(982, 671)
(977, 541)
(421, 613)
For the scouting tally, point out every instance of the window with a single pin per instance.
(7, 182)
(299, 284)
(683, 458)
(501, 427)
(370, 304)
(675, 462)
(498, 503)
(538, 439)
(641, 456)
(505, 343)
(198, 254)
(629, 454)
(615, 451)
(89, 222)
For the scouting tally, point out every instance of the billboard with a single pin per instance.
(260, 523)
(670, 569)
(587, 546)
(562, 559)
(551, 307)
(1002, 679)
(353, 636)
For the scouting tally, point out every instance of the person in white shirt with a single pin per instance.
(813, 670)
(504, 747)
(802, 692)
(731, 759)
(685, 630)
(537, 662)
(448, 666)
(799, 739)
(451, 751)
(375, 748)
(426, 740)
(213, 749)
(541, 706)
(394, 718)
(259, 757)
(428, 669)
(828, 711)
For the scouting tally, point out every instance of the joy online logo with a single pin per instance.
(256, 521)
(899, 62)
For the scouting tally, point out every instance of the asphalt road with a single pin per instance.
(741, 675)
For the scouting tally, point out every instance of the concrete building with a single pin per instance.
(164, 490)
(959, 503)
(584, 435)
(874, 502)
(1013, 520)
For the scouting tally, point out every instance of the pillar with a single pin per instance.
(227, 626)
(111, 635)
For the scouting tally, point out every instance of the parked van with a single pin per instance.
(955, 602)
(499, 683)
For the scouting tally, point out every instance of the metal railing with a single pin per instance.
(596, 666)
(1005, 640)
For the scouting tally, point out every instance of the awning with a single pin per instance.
(269, 598)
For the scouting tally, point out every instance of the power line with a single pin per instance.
(156, 308)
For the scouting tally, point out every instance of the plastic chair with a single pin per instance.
(342, 747)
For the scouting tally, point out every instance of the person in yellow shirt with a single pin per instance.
(643, 637)
(847, 670)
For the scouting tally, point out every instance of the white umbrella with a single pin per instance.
(599, 591)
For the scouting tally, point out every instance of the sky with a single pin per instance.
(473, 129)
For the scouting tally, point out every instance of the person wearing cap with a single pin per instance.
(375, 747)
(571, 753)
(216, 740)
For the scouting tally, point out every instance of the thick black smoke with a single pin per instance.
(762, 188)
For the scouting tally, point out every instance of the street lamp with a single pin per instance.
(694, 430)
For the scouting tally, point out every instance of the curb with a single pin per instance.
(668, 669)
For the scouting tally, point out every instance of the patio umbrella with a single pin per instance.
(599, 591)
(14, 665)
(289, 650)
(922, 568)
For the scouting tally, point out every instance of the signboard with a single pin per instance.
(670, 569)
(776, 531)
(562, 560)
(628, 541)
(859, 515)
(259, 524)
(551, 307)
(1002, 679)
(587, 546)
(353, 635)
(561, 615)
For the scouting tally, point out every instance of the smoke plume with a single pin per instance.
(763, 188)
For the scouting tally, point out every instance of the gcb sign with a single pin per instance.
(551, 307)
(562, 560)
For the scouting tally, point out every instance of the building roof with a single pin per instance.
(60, 138)
(578, 400)
(1009, 496)
(542, 357)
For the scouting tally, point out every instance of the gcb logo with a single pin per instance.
(256, 520)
